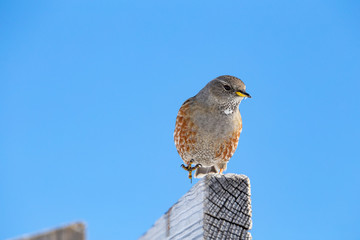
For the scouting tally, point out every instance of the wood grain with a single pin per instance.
(217, 207)
(75, 231)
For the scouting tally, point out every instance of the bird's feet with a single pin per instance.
(190, 168)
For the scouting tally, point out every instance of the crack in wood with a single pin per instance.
(217, 207)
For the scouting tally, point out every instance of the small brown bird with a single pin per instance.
(208, 126)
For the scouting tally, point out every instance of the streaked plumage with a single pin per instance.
(208, 125)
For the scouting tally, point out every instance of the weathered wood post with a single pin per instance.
(217, 207)
(74, 231)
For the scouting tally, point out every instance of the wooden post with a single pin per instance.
(217, 207)
(75, 231)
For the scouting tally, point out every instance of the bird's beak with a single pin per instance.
(243, 94)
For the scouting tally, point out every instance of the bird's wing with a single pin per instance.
(185, 130)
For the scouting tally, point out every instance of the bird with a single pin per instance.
(208, 126)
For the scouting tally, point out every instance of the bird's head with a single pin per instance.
(224, 90)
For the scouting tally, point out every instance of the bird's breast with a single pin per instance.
(217, 124)
(205, 135)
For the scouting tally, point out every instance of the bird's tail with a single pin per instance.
(202, 171)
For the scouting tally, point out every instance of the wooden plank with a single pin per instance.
(217, 207)
(75, 231)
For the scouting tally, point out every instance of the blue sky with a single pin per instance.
(89, 92)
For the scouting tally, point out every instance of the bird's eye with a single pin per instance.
(227, 87)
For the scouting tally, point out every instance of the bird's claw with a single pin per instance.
(190, 168)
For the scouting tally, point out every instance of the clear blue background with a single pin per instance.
(89, 92)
